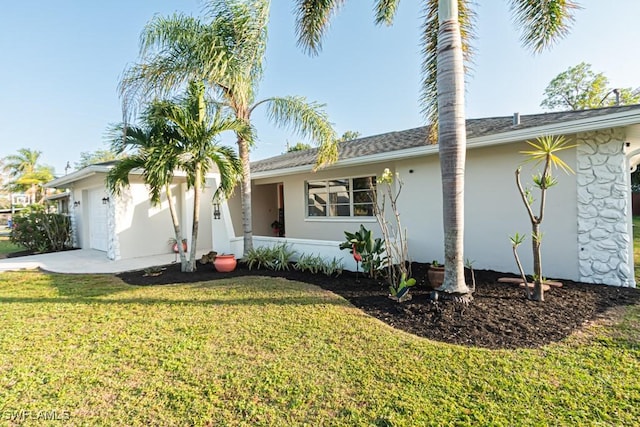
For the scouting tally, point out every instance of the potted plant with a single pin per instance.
(277, 228)
(174, 245)
(435, 274)
(224, 263)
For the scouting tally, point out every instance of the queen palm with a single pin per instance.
(25, 171)
(178, 136)
(447, 28)
(226, 53)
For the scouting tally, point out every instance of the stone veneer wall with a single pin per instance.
(74, 222)
(603, 209)
(113, 244)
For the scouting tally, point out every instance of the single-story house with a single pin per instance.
(587, 226)
(128, 225)
(588, 221)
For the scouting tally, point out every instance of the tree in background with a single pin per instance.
(88, 158)
(579, 88)
(26, 174)
(349, 136)
(300, 146)
(179, 135)
(447, 28)
(226, 53)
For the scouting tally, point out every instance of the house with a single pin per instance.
(587, 226)
(128, 225)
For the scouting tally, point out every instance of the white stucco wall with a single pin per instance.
(493, 210)
(137, 228)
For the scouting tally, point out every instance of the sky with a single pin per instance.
(62, 61)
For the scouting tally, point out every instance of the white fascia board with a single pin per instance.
(64, 181)
(355, 161)
(562, 128)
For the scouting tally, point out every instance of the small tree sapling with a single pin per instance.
(398, 264)
(544, 151)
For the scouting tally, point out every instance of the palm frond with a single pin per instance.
(312, 22)
(118, 176)
(385, 11)
(229, 167)
(543, 22)
(307, 119)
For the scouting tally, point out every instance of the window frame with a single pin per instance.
(328, 205)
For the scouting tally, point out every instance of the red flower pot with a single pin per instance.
(184, 246)
(225, 263)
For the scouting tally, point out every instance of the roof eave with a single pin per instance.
(64, 181)
(582, 125)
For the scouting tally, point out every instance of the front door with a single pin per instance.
(281, 209)
(98, 235)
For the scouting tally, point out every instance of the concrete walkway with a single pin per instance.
(82, 261)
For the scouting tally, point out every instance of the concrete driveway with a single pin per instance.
(82, 261)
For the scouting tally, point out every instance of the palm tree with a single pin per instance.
(179, 136)
(26, 172)
(447, 29)
(226, 52)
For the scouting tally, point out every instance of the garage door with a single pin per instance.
(97, 220)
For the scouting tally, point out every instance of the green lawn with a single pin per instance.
(636, 247)
(7, 247)
(265, 351)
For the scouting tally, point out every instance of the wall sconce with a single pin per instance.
(105, 200)
(76, 203)
(216, 210)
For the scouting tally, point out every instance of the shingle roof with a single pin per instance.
(416, 137)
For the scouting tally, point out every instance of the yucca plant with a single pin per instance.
(543, 151)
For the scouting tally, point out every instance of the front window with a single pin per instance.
(344, 197)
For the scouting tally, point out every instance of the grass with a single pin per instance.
(266, 351)
(7, 247)
(636, 247)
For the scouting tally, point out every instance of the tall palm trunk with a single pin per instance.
(176, 228)
(243, 154)
(197, 190)
(451, 143)
(247, 229)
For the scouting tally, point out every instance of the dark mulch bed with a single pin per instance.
(498, 317)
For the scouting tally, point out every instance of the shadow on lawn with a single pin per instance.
(103, 289)
(279, 301)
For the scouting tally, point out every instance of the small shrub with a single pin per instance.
(270, 257)
(40, 231)
(282, 254)
(309, 262)
(315, 264)
(333, 267)
(258, 257)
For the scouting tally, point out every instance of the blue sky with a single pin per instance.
(61, 62)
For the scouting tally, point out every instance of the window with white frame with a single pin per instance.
(341, 197)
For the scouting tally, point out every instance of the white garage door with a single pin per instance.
(97, 220)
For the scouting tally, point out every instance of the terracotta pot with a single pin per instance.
(225, 263)
(184, 246)
(436, 276)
